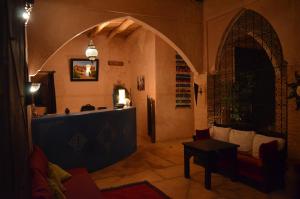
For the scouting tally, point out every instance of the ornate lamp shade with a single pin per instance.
(91, 51)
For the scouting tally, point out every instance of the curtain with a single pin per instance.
(14, 172)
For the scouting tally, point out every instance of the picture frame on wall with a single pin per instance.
(141, 83)
(84, 70)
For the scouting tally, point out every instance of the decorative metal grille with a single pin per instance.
(248, 30)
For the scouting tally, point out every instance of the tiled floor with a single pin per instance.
(162, 165)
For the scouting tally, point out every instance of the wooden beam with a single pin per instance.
(123, 26)
(97, 29)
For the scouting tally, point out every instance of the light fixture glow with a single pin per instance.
(26, 13)
(34, 87)
(91, 52)
(122, 99)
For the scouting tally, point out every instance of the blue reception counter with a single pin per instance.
(92, 139)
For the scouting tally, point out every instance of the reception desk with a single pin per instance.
(91, 139)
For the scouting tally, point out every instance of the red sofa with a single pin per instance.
(265, 173)
(79, 186)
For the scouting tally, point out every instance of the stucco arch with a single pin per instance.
(270, 43)
(56, 22)
(248, 29)
(144, 25)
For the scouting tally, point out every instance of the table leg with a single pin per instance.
(234, 165)
(187, 157)
(207, 177)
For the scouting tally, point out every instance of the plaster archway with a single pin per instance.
(144, 25)
(53, 23)
(248, 29)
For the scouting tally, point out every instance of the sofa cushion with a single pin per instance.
(56, 190)
(261, 139)
(57, 176)
(61, 174)
(81, 186)
(39, 186)
(39, 161)
(242, 138)
(250, 167)
(268, 150)
(202, 134)
(220, 133)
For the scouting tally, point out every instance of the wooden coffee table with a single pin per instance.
(209, 151)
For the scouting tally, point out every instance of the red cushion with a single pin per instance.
(39, 186)
(81, 186)
(268, 150)
(250, 167)
(202, 134)
(39, 161)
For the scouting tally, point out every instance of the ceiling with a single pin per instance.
(115, 28)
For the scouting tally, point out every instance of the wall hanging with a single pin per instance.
(141, 83)
(84, 70)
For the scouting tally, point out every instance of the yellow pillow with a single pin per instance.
(61, 174)
(57, 192)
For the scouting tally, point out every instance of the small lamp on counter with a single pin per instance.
(121, 98)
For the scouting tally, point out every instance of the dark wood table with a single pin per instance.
(209, 151)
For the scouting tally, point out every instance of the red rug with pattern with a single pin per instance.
(139, 190)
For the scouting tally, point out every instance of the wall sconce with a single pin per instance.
(34, 87)
(30, 89)
(197, 89)
(27, 10)
(91, 52)
(200, 90)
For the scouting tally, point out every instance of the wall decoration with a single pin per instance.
(295, 90)
(115, 63)
(84, 70)
(249, 34)
(141, 83)
(183, 84)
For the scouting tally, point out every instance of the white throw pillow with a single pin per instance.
(220, 133)
(261, 139)
(242, 138)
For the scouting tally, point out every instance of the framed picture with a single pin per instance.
(141, 83)
(84, 70)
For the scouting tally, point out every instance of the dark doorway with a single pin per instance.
(254, 87)
(46, 94)
(151, 118)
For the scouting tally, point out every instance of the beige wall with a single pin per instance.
(98, 93)
(55, 22)
(170, 122)
(200, 109)
(141, 53)
(283, 16)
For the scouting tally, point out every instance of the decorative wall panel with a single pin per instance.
(249, 30)
(91, 139)
(183, 83)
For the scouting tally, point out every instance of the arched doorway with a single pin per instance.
(249, 86)
(130, 51)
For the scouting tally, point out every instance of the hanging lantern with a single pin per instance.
(91, 51)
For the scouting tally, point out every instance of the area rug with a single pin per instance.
(139, 190)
